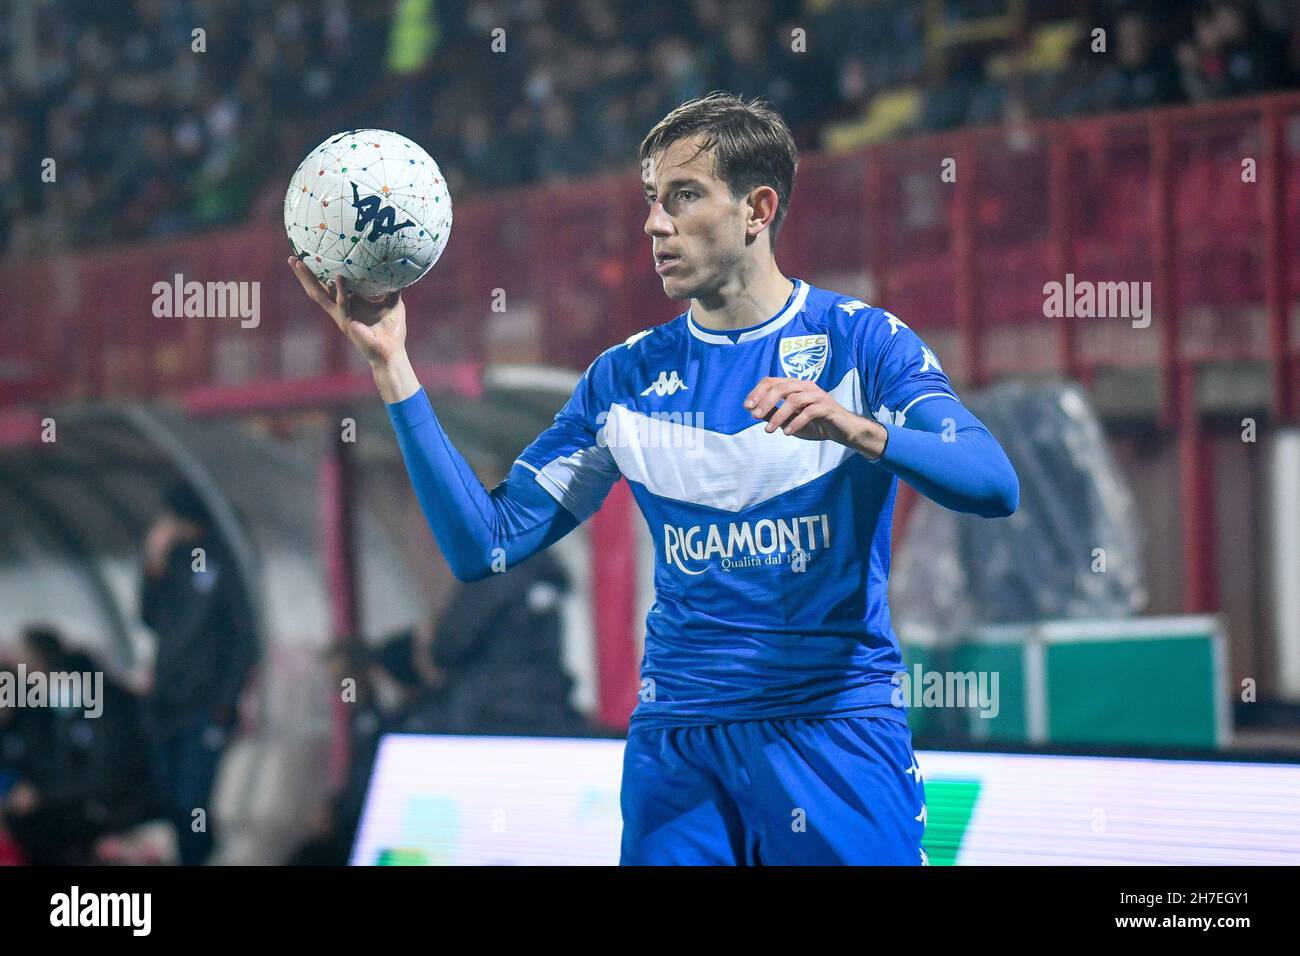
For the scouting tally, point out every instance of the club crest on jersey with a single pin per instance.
(804, 356)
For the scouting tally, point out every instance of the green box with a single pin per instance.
(1153, 681)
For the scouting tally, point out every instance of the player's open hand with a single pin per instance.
(377, 327)
(805, 410)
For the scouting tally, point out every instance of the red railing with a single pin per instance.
(1154, 197)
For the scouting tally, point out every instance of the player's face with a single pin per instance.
(697, 229)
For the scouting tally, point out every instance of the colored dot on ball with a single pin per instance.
(322, 225)
(340, 235)
(421, 232)
(354, 239)
(348, 261)
(321, 173)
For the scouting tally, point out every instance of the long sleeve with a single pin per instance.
(948, 455)
(944, 451)
(474, 528)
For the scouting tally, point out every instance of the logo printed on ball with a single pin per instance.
(380, 218)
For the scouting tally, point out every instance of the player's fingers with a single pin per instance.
(314, 288)
(794, 403)
(765, 383)
(765, 396)
(341, 293)
(803, 419)
(777, 390)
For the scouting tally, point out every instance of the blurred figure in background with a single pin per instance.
(1231, 53)
(385, 684)
(196, 605)
(77, 778)
(1145, 74)
(493, 661)
(491, 665)
(496, 657)
(13, 763)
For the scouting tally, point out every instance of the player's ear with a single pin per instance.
(761, 206)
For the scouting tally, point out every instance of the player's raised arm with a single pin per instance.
(478, 531)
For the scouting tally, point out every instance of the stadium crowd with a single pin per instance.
(156, 131)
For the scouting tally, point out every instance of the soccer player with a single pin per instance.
(763, 432)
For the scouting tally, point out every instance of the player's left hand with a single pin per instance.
(805, 410)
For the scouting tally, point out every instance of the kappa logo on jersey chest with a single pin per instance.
(668, 383)
(804, 356)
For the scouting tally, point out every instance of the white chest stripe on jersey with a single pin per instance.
(692, 464)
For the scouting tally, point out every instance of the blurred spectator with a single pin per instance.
(958, 84)
(562, 153)
(379, 701)
(497, 650)
(1144, 74)
(13, 742)
(13, 766)
(193, 600)
(77, 769)
(1231, 53)
(492, 666)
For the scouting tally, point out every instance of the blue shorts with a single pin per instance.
(838, 790)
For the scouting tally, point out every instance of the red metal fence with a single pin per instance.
(1166, 197)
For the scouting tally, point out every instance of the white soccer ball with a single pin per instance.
(372, 205)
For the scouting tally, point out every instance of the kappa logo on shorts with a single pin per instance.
(804, 356)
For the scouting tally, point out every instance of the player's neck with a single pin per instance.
(743, 301)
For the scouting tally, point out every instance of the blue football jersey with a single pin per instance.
(772, 552)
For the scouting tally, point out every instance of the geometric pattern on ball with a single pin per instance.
(371, 204)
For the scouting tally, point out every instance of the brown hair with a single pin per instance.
(749, 142)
